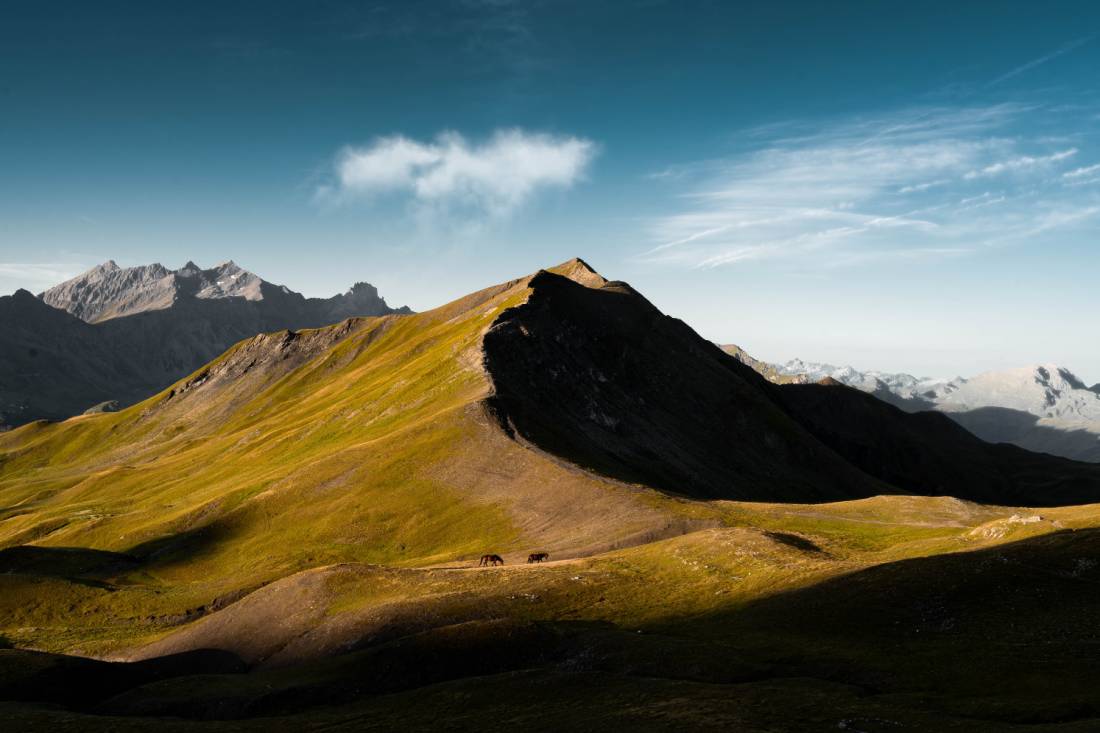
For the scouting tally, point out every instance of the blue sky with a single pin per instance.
(898, 186)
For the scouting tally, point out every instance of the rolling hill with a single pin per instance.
(311, 505)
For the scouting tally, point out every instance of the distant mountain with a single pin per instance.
(1043, 408)
(121, 334)
(109, 291)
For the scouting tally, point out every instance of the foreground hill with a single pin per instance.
(118, 335)
(292, 532)
(1043, 408)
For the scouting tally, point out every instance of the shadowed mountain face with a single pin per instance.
(1005, 425)
(134, 331)
(600, 377)
(928, 453)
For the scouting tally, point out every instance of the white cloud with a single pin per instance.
(1023, 162)
(493, 178)
(1082, 172)
(918, 187)
(905, 186)
(1061, 217)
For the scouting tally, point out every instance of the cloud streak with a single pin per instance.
(1067, 48)
(1088, 170)
(906, 186)
(449, 174)
(1021, 163)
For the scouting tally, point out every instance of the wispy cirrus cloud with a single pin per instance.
(912, 184)
(449, 174)
(1088, 170)
(1062, 51)
(917, 187)
(1020, 163)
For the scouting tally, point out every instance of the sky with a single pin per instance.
(898, 186)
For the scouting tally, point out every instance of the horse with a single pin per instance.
(487, 560)
(537, 557)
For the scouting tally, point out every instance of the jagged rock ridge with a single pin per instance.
(121, 334)
(109, 291)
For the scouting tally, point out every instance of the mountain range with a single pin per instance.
(288, 537)
(114, 335)
(1043, 408)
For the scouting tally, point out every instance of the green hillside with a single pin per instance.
(312, 505)
(362, 442)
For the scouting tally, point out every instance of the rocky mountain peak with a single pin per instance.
(580, 272)
(362, 289)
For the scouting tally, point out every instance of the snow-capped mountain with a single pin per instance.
(904, 386)
(1043, 407)
(1047, 391)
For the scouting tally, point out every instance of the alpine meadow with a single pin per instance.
(560, 500)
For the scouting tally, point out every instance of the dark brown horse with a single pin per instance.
(538, 557)
(487, 560)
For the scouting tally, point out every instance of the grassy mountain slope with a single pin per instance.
(362, 442)
(311, 506)
(892, 612)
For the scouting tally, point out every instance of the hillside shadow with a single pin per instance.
(929, 454)
(77, 683)
(96, 568)
(794, 541)
(180, 546)
(75, 564)
(1004, 425)
(1003, 634)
